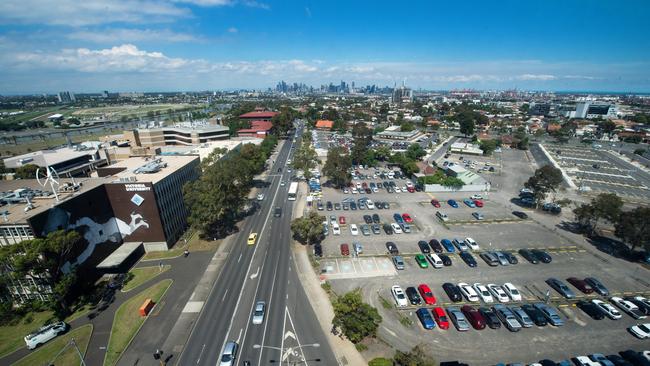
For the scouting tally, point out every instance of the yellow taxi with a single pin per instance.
(252, 238)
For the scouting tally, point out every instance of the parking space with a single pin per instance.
(485, 165)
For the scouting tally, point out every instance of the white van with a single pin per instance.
(442, 216)
(44, 334)
(435, 260)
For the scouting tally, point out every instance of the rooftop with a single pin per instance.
(48, 157)
(186, 129)
(150, 169)
(259, 114)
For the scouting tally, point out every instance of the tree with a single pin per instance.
(605, 206)
(305, 158)
(640, 151)
(382, 152)
(308, 229)
(415, 357)
(466, 126)
(362, 137)
(633, 228)
(415, 152)
(524, 108)
(488, 146)
(336, 167)
(607, 126)
(545, 180)
(356, 319)
(407, 127)
(27, 171)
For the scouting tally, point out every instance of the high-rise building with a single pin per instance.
(66, 97)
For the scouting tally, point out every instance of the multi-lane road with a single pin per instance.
(261, 272)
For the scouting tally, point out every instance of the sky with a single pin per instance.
(191, 45)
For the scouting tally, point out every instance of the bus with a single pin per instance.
(293, 191)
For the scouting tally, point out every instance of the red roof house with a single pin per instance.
(257, 129)
(259, 115)
(323, 124)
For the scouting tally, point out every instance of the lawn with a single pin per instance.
(138, 276)
(11, 336)
(127, 321)
(195, 244)
(47, 353)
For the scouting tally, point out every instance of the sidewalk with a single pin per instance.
(344, 351)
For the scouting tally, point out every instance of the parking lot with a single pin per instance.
(374, 272)
(601, 171)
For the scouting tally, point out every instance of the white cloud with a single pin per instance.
(88, 12)
(233, 30)
(256, 4)
(131, 35)
(543, 77)
(206, 2)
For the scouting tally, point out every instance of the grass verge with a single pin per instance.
(47, 353)
(194, 244)
(127, 321)
(138, 276)
(11, 336)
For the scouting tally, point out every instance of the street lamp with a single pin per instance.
(289, 351)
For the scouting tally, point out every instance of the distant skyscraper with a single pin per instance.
(105, 94)
(66, 97)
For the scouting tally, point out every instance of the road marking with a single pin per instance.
(254, 275)
(275, 271)
(224, 295)
(239, 336)
(200, 354)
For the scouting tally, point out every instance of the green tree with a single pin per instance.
(356, 319)
(415, 357)
(382, 152)
(466, 126)
(407, 127)
(545, 180)
(305, 158)
(415, 152)
(524, 108)
(607, 126)
(27, 171)
(308, 229)
(362, 137)
(605, 206)
(488, 146)
(523, 143)
(633, 228)
(337, 167)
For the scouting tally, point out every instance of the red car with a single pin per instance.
(474, 317)
(410, 189)
(435, 203)
(426, 294)
(581, 285)
(441, 318)
(345, 249)
(478, 203)
(342, 220)
(407, 218)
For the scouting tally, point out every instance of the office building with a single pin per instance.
(78, 160)
(163, 136)
(66, 97)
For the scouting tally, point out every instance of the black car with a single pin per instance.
(468, 258)
(413, 296)
(446, 261)
(375, 218)
(634, 357)
(392, 248)
(519, 214)
(424, 247)
(510, 257)
(535, 315)
(386, 205)
(528, 255)
(643, 307)
(329, 205)
(318, 250)
(388, 229)
(548, 363)
(367, 219)
(435, 246)
(542, 255)
(618, 360)
(452, 291)
(491, 318)
(277, 211)
(591, 309)
(353, 206)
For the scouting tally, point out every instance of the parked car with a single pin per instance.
(471, 243)
(425, 318)
(474, 317)
(358, 248)
(469, 203)
(641, 331)
(449, 247)
(376, 229)
(491, 318)
(468, 258)
(398, 261)
(424, 247)
(345, 250)
(388, 229)
(510, 257)
(45, 334)
(435, 260)
(641, 302)
(542, 255)
(550, 313)
(483, 293)
(457, 317)
(452, 203)
(507, 317)
(435, 203)
(452, 291)
(608, 309)
(528, 255)
(398, 218)
(421, 261)
(501, 258)
(535, 315)
(440, 317)
(498, 292)
(561, 288)
(354, 230)
(446, 261)
(396, 228)
(591, 309)
(375, 218)
(489, 258)
(580, 285)
(413, 296)
(478, 215)
(628, 307)
(478, 203)
(435, 246)
(442, 216)
(407, 218)
(512, 291)
(467, 291)
(460, 244)
(399, 296)
(520, 214)
(597, 286)
(427, 294)
(392, 248)
(522, 316)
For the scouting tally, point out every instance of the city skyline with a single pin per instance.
(189, 45)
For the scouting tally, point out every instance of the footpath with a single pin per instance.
(344, 351)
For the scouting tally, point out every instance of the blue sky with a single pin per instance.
(168, 45)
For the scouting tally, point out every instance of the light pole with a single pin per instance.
(289, 351)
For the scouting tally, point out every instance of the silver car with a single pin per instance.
(229, 354)
(507, 317)
(502, 259)
(258, 312)
(458, 318)
(549, 312)
(521, 316)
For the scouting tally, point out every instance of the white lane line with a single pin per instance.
(268, 311)
(238, 259)
(239, 336)
(296, 334)
(200, 354)
(275, 196)
(224, 295)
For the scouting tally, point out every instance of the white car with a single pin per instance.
(476, 197)
(484, 293)
(346, 190)
(435, 260)
(370, 205)
(397, 189)
(260, 197)
(585, 361)
(468, 292)
(628, 307)
(608, 308)
(354, 190)
(498, 292)
(512, 291)
(472, 243)
(354, 230)
(336, 229)
(283, 183)
(258, 312)
(399, 296)
(641, 331)
(396, 228)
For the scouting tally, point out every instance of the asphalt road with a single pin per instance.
(261, 272)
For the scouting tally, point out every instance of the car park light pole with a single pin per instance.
(74, 344)
(290, 351)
